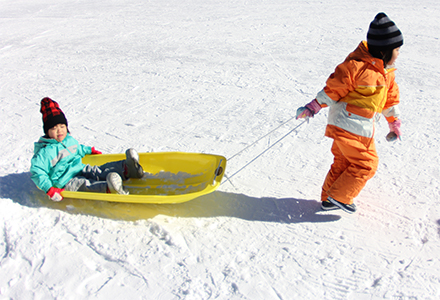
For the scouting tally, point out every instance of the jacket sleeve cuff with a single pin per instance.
(391, 119)
(323, 99)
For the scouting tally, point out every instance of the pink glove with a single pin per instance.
(395, 127)
(309, 110)
(94, 151)
(55, 194)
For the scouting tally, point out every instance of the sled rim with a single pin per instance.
(211, 185)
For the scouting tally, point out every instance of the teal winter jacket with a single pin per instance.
(55, 163)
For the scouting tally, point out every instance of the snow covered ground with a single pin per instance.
(214, 76)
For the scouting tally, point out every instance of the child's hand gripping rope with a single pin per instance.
(308, 111)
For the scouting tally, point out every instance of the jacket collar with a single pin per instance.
(45, 141)
(361, 53)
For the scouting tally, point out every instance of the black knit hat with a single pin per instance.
(52, 114)
(383, 33)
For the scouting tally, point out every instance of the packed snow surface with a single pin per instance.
(215, 76)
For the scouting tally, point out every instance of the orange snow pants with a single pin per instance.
(355, 162)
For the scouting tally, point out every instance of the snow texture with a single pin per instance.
(214, 76)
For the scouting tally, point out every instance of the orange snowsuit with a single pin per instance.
(356, 92)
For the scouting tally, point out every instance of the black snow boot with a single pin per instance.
(348, 208)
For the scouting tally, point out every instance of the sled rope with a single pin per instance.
(228, 178)
(260, 139)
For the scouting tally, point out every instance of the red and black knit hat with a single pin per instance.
(52, 114)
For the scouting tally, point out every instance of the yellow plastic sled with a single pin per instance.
(170, 177)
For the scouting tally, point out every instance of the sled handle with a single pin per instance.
(218, 171)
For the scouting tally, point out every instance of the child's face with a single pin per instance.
(58, 132)
(394, 57)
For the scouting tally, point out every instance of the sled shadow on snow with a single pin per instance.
(21, 189)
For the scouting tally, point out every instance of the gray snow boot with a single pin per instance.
(114, 183)
(133, 168)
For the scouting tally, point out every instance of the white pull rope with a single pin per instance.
(267, 149)
(260, 138)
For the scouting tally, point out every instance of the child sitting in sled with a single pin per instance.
(56, 165)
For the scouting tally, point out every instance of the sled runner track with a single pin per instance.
(109, 258)
(7, 244)
(285, 73)
(390, 212)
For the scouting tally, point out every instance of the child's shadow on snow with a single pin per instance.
(21, 189)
